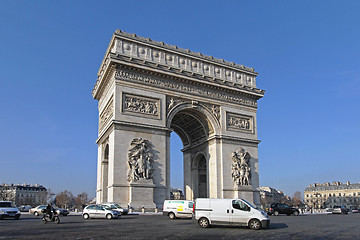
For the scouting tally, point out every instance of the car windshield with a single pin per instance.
(6, 204)
(117, 205)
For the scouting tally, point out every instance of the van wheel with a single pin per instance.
(255, 224)
(204, 222)
(276, 213)
(172, 216)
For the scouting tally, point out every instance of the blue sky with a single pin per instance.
(307, 54)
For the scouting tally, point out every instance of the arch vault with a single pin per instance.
(146, 90)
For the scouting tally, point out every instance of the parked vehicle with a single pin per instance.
(24, 208)
(62, 211)
(280, 208)
(209, 211)
(99, 211)
(37, 210)
(339, 210)
(53, 218)
(355, 210)
(117, 207)
(9, 210)
(178, 208)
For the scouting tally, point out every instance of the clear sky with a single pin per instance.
(307, 54)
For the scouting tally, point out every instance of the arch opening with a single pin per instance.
(193, 128)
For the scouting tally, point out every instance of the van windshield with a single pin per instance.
(248, 203)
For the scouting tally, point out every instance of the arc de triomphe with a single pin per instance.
(146, 90)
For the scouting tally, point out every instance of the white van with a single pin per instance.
(178, 208)
(208, 211)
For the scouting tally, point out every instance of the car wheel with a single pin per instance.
(204, 222)
(276, 213)
(109, 216)
(36, 213)
(296, 213)
(86, 216)
(17, 217)
(172, 216)
(255, 224)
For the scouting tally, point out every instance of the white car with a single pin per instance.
(9, 210)
(99, 211)
(117, 207)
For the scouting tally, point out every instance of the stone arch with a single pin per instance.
(146, 89)
(197, 112)
(195, 124)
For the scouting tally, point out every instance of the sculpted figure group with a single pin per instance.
(241, 172)
(140, 159)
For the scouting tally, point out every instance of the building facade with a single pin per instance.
(176, 194)
(269, 195)
(24, 194)
(326, 195)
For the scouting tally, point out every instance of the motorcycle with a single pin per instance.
(51, 218)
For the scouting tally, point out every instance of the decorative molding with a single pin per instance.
(141, 106)
(184, 87)
(106, 114)
(237, 122)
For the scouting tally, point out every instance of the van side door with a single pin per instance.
(220, 211)
(240, 212)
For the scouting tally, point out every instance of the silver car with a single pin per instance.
(38, 210)
(9, 210)
(117, 207)
(99, 211)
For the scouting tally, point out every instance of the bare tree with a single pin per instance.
(64, 199)
(296, 199)
(7, 195)
(81, 200)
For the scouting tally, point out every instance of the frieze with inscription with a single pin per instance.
(182, 87)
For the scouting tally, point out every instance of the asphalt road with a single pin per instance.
(160, 227)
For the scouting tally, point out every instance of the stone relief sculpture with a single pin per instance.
(139, 105)
(140, 160)
(237, 122)
(241, 172)
(106, 114)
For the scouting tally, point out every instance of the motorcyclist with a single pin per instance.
(49, 211)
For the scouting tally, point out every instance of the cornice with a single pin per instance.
(148, 41)
(132, 49)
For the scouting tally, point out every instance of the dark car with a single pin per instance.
(280, 208)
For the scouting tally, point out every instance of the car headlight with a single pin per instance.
(2, 211)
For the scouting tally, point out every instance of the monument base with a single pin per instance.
(142, 194)
(246, 192)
